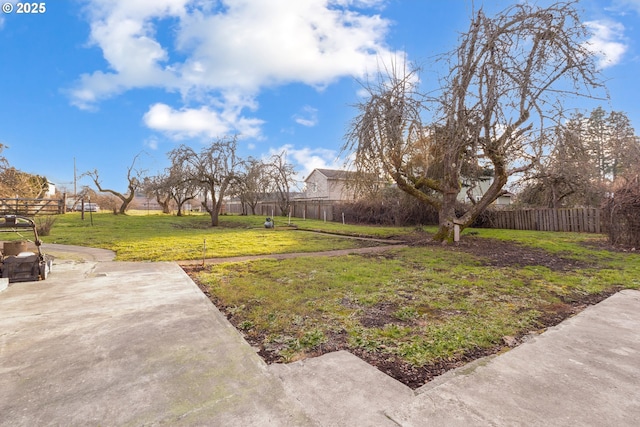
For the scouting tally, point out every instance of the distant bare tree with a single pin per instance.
(179, 183)
(563, 178)
(589, 153)
(281, 177)
(212, 169)
(106, 201)
(505, 83)
(175, 185)
(15, 183)
(3, 160)
(252, 184)
(159, 188)
(134, 182)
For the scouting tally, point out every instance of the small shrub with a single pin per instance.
(44, 224)
(312, 339)
(391, 207)
(245, 325)
(622, 214)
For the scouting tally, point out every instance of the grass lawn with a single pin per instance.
(165, 237)
(411, 311)
(416, 311)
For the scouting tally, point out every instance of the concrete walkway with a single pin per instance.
(104, 343)
(113, 343)
(583, 372)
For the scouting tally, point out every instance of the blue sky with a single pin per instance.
(100, 81)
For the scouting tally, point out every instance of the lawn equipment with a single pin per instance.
(16, 263)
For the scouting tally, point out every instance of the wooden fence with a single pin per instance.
(31, 207)
(311, 209)
(583, 220)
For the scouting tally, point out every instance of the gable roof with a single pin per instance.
(333, 173)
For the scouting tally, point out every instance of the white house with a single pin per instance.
(328, 184)
(51, 189)
(478, 189)
(333, 184)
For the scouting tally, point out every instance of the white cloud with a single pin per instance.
(307, 159)
(152, 143)
(220, 55)
(607, 42)
(361, 3)
(199, 123)
(624, 5)
(308, 117)
(257, 43)
(125, 32)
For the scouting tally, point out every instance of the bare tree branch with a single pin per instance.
(134, 182)
(494, 109)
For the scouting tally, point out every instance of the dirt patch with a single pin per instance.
(499, 253)
(378, 316)
(492, 252)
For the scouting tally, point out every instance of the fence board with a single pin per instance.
(311, 209)
(31, 207)
(585, 220)
(562, 223)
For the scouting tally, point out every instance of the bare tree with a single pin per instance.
(281, 176)
(252, 184)
(158, 187)
(505, 83)
(175, 184)
(589, 153)
(563, 178)
(182, 192)
(106, 201)
(213, 169)
(621, 207)
(3, 160)
(134, 182)
(15, 183)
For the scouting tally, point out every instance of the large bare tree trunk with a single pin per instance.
(447, 217)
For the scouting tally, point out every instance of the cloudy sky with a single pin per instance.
(100, 81)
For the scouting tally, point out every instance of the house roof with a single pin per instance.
(333, 173)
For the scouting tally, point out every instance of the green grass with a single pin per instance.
(380, 232)
(166, 237)
(421, 305)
